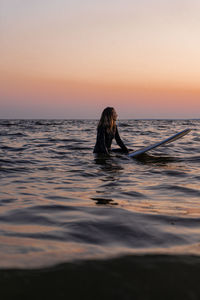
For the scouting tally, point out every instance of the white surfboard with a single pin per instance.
(164, 142)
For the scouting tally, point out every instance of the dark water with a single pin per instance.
(60, 203)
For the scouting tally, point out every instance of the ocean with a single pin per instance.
(61, 206)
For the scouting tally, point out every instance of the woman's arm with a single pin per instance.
(119, 141)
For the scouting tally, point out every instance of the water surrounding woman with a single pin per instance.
(106, 131)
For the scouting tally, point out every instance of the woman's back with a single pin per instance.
(104, 140)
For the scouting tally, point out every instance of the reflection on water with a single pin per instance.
(158, 160)
(104, 201)
(60, 202)
(109, 174)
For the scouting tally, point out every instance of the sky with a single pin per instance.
(72, 58)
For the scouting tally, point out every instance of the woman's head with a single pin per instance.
(108, 118)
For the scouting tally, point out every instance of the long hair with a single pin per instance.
(107, 120)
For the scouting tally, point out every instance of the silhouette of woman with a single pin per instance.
(106, 131)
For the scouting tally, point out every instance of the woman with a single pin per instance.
(106, 131)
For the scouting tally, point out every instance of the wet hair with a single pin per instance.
(107, 119)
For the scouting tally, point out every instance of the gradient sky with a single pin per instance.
(70, 59)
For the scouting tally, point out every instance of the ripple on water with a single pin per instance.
(62, 202)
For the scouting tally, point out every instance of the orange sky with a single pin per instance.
(69, 60)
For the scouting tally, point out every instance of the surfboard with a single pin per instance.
(164, 142)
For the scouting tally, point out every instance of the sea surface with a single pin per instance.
(61, 203)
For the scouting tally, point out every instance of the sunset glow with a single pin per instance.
(70, 59)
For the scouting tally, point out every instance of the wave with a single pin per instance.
(59, 201)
